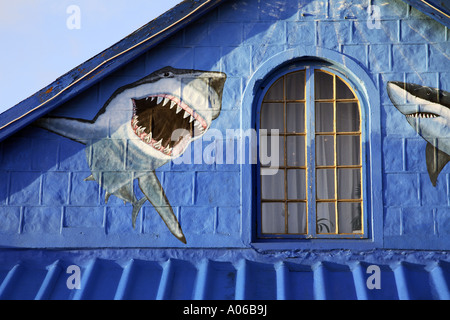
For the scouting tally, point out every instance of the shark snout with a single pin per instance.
(422, 108)
(397, 94)
(413, 100)
(396, 83)
(216, 81)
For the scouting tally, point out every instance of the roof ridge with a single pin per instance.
(46, 99)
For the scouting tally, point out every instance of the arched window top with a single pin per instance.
(313, 115)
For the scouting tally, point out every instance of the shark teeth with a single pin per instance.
(422, 115)
(134, 122)
(148, 138)
(140, 130)
(158, 145)
(168, 150)
(199, 126)
(148, 132)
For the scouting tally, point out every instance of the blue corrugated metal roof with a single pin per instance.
(224, 274)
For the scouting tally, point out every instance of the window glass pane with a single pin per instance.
(326, 217)
(325, 184)
(295, 151)
(272, 185)
(296, 184)
(295, 117)
(323, 85)
(324, 117)
(347, 115)
(348, 150)
(272, 116)
(271, 149)
(342, 90)
(324, 150)
(273, 218)
(295, 86)
(297, 221)
(349, 183)
(350, 217)
(276, 91)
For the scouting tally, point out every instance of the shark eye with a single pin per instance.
(428, 92)
(167, 74)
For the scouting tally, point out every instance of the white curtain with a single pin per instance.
(272, 185)
(349, 153)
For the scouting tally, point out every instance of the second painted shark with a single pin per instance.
(427, 110)
(141, 127)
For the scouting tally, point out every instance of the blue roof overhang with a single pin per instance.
(95, 69)
(439, 10)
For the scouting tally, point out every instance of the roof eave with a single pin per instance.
(432, 8)
(95, 69)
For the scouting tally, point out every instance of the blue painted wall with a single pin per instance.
(44, 201)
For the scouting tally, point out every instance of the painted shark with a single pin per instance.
(141, 127)
(427, 110)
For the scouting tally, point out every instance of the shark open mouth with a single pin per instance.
(422, 115)
(147, 123)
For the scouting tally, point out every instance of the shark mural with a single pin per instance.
(141, 127)
(427, 110)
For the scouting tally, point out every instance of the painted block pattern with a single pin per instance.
(44, 200)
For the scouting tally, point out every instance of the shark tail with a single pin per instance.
(136, 208)
(154, 192)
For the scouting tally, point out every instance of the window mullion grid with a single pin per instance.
(310, 135)
(333, 167)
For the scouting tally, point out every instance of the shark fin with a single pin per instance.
(436, 161)
(136, 208)
(75, 129)
(154, 192)
(107, 195)
(90, 178)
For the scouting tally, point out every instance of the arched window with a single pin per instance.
(313, 117)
